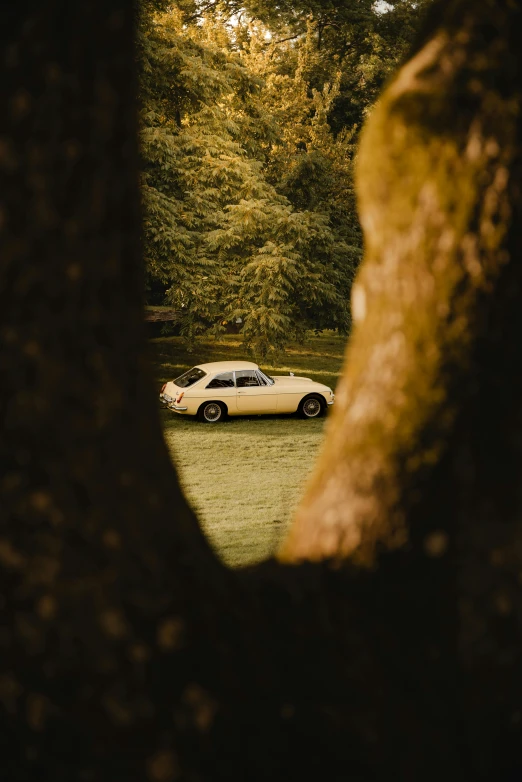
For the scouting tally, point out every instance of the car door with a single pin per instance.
(253, 396)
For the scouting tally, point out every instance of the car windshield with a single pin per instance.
(269, 380)
(189, 378)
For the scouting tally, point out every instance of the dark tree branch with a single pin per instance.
(284, 40)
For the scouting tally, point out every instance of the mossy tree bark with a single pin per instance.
(425, 446)
(128, 651)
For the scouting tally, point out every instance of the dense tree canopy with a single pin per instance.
(249, 125)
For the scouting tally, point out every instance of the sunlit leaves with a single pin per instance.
(249, 209)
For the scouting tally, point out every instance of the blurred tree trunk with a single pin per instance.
(424, 450)
(128, 651)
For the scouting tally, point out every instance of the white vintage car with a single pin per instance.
(213, 391)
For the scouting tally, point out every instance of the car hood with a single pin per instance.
(286, 380)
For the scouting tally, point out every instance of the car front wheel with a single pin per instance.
(211, 412)
(311, 407)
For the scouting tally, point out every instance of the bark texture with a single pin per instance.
(128, 652)
(425, 444)
(92, 600)
(439, 198)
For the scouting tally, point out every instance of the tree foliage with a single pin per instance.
(249, 122)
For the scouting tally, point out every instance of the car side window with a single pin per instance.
(226, 380)
(246, 378)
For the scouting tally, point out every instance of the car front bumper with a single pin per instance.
(170, 403)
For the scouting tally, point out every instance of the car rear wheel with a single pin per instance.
(212, 412)
(311, 407)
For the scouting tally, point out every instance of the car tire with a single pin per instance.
(212, 412)
(311, 406)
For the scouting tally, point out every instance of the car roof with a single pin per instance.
(226, 366)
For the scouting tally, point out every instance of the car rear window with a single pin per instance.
(189, 378)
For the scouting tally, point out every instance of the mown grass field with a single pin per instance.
(245, 476)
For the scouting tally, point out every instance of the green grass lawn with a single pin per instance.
(245, 476)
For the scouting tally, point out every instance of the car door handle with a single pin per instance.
(240, 392)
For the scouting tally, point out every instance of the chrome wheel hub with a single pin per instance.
(212, 412)
(312, 408)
